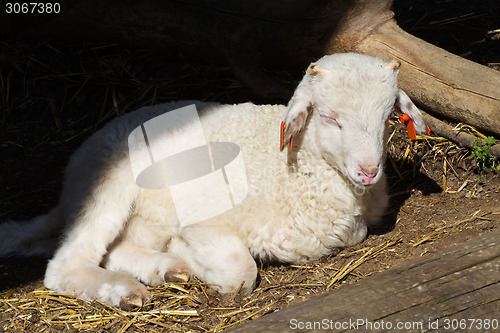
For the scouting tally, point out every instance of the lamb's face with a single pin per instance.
(351, 107)
(351, 97)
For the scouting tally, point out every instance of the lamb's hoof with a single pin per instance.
(177, 275)
(131, 302)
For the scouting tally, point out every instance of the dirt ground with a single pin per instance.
(439, 197)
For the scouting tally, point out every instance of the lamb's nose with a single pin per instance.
(367, 173)
(370, 171)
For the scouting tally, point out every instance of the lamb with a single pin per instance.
(320, 194)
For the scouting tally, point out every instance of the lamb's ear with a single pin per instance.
(296, 115)
(404, 103)
(300, 105)
(393, 65)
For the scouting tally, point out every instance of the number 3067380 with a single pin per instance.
(32, 8)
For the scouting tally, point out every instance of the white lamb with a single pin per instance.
(301, 205)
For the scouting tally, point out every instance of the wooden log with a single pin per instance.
(457, 286)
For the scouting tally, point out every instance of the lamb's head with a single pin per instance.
(344, 102)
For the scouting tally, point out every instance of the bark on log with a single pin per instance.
(286, 33)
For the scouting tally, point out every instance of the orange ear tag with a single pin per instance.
(410, 127)
(282, 134)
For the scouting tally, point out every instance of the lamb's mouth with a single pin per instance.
(358, 183)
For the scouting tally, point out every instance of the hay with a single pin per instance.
(44, 309)
(352, 265)
(437, 232)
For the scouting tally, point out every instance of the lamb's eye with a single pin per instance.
(331, 120)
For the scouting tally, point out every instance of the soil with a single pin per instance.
(439, 197)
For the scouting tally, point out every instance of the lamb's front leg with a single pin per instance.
(217, 256)
(75, 269)
(91, 282)
(149, 266)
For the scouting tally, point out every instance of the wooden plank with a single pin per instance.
(455, 289)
